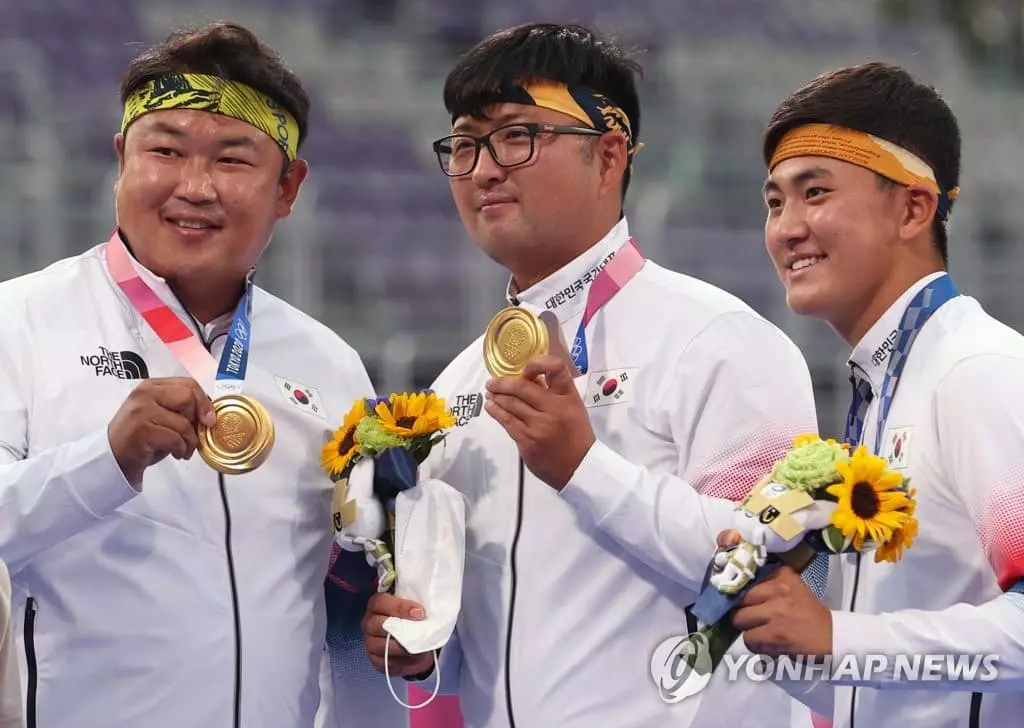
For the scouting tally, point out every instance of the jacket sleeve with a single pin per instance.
(734, 400)
(979, 408)
(817, 694)
(964, 647)
(49, 496)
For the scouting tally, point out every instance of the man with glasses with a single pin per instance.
(596, 478)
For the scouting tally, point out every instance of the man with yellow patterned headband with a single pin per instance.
(863, 167)
(162, 511)
(596, 473)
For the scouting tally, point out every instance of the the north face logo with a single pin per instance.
(465, 407)
(120, 364)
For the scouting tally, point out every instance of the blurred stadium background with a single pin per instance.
(375, 248)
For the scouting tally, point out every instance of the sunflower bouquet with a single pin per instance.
(820, 498)
(371, 457)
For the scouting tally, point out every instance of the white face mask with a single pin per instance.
(430, 550)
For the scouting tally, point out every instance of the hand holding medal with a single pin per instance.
(242, 435)
(533, 394)
(158, 419)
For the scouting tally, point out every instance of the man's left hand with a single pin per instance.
(542, 411)
(782, 616)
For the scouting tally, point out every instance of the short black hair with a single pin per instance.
(571, 54)
(226, 50)
(887, 102)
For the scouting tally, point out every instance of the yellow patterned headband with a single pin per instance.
(856, 147)
(218, 96)
(592, 109)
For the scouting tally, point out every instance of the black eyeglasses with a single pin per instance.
(509, 146)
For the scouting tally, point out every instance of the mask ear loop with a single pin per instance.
(387, 674)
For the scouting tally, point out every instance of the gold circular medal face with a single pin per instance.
(242, 438)
(513, 337)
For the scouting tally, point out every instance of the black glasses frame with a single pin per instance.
(534, 128)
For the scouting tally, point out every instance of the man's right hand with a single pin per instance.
(400, 662)
(159, 418)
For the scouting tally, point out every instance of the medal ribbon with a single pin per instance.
(617, 273)
(925, 303)
(179, 338)
(928, 300)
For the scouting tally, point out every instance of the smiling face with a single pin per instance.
(198, 195)
(536, 217)
(834, 231)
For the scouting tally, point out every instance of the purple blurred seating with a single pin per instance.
(12, 103)
(388, 228)
(87, 44)
(407, 267)
(733, 260)
(85, 48)
(655, 23)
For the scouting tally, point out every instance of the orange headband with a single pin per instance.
(864, 150)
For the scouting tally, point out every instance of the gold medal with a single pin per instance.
(242, 438)
(514, 337)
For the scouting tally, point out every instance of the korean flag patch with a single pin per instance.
(302, 397)
(614, 386)
(898, 441)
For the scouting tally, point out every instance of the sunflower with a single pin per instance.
(870, 504)
(413, 415)
(807, 439)
(903, 537)
(338, 453)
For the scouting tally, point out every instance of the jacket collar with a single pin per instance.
(872, 352)
(564, 292)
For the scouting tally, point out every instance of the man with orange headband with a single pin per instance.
(863, 169)
(607, 419)
(163, 513)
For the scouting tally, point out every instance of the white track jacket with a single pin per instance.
(567, 595)
(199, 600)
(937, 639)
